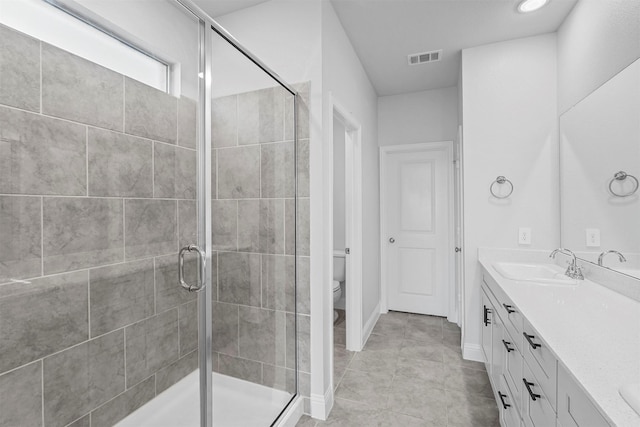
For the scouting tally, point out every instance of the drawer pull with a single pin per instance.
(531, 343)
(509, 308)
(528, 385)
(502, 396)
(506, 345)
(487, 322)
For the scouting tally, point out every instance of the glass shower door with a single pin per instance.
(255, 310)
(101, 171)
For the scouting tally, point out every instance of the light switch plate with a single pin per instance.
(524, 236)
(593, 237)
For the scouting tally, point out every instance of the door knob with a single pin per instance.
(392, 240)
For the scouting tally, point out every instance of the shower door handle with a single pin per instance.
(201, 263)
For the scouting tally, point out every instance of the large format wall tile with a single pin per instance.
(20, 232)
(225, 328)
(272, 226)
(304, 342)
(119, 295)
(224, 225)
(239, 278)
(119, 165)
(249, 225)
(80, 233)
(151, 345)
(150, 228)
(46, 316)
(248, 118)
(82, 378)
(224, 121)
(258, 334)
(303, 167)
(32, 150)
(116, 409)
(302, 226)
(20, 70)
(149, 112)
(271, 106)
(278, 170)
(187, 122)
(169, 293)
(187, 222)
(236, 367)
(173, 373)
(278, 282)
(188, 324)
(79, 90)
(21, 402)
(303, 287)
(175, 172)
(239, 173)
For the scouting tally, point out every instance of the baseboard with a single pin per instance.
(321, 405)
(293, 413)
(370, 324)
(472, 352)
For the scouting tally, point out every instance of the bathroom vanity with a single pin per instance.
(558, 351)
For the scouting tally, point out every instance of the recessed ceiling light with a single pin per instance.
(531, 5)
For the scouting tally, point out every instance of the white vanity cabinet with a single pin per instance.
(531, 388)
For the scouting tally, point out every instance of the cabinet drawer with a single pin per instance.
(509, 313)
(509, 415)
(513, 369)
(541, 361)
(536, 407)
(574, 407)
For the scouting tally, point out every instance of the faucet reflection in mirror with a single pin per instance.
(599, 163)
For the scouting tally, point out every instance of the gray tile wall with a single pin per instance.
(253, 231)
(97, 193)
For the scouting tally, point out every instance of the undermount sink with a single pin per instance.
(549, 274)
(631, 394)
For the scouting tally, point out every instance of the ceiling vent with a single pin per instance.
(424, 57)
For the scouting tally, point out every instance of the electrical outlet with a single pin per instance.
(524, 236)
(593, 237)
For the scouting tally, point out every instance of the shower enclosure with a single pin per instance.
(149, 247)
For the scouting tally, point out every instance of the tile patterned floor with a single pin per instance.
(410, 373)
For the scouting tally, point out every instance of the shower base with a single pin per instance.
(235, 403)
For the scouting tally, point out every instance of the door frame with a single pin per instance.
(353, 224)
(384, 158)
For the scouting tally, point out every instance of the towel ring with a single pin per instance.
(621, 176)
(501, 180)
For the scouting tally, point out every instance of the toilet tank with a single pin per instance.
(339, 266)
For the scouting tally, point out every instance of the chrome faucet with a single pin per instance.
(603, 254)
(573, 271)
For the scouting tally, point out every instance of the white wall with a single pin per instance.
(510, 128)
(347, 82)
(338, 187)
(597, 40)
(426, 116)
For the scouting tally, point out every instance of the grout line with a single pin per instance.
(40, 109)
(124, 343)
(42, 388)
(41, 236)
(86, 158)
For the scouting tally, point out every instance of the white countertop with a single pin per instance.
(594, 333)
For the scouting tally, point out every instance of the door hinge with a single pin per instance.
(347, 251)
(458, 249)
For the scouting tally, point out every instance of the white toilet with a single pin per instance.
(339, 276)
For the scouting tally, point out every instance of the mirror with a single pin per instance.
(600, 207)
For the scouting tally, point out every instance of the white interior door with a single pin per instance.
(417, 228)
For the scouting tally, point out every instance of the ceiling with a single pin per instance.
(384, 32)
(216, 8)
